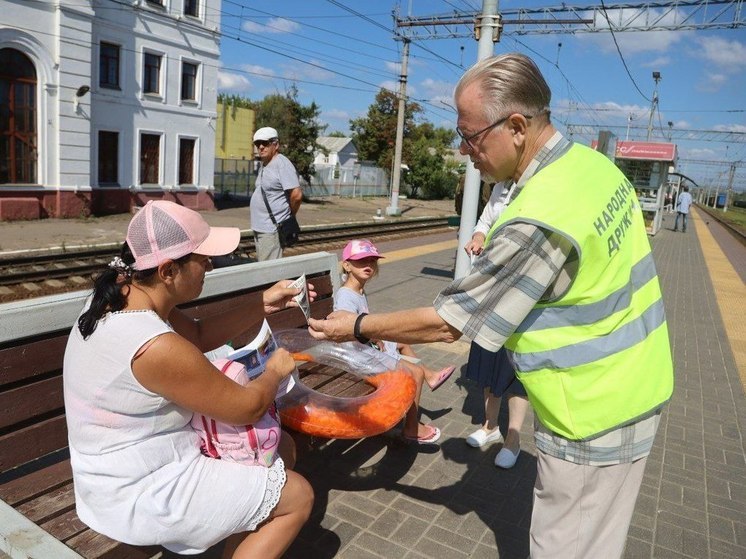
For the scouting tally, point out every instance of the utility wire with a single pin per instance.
(613, 36)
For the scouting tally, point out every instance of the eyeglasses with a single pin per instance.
(263, 143)
(467, 139)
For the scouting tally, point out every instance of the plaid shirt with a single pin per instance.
(522, 265)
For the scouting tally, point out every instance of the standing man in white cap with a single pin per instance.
(277, 196)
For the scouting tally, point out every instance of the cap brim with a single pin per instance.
(363, 256)
(220, 241)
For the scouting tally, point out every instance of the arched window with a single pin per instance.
(17, 118)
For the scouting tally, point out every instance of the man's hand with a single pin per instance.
(280, 296)
(475, 245)
(338, 327)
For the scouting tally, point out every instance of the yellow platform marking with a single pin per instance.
(730, 294)
(420, 250)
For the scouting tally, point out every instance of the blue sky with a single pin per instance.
(339, 59)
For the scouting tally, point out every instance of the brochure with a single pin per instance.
(255, 354)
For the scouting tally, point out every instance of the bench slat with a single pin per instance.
(31, 359)
(50, 505)
(65, 526)
(29, 443)
(33, 400)
(91, 544)
(36, 483)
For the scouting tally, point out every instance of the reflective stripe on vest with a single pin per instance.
(598, 357)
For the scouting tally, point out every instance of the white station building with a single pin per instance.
(105, 104)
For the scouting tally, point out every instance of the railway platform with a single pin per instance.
(382, 498)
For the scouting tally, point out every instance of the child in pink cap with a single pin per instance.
(360, 264)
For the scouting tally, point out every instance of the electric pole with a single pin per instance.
(393, 209)
(654, 103)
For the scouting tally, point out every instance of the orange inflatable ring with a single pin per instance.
(308, 411)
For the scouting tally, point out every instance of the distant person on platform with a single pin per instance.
(277, 195)
(682, 209)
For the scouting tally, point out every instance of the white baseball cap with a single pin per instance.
(266, 133)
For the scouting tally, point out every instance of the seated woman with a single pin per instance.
(134, 373)
(360, 264)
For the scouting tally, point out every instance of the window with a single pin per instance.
(191, 8)
(18, 154)
(150, 151)
(151, 73)
(108, 157)
(186, 161)
(188, 81)
(108, 66)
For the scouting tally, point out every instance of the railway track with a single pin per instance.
(35, 275)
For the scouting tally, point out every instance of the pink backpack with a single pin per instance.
(255, 445)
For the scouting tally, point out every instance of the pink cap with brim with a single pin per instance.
(167, 231)
(359, 249)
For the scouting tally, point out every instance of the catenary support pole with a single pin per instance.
(393, 209)
(489, 33)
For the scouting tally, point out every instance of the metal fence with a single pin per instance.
(237, 177)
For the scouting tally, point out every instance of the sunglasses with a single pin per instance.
(263, 143)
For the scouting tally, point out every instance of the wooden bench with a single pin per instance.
(37, 507)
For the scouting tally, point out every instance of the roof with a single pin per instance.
(333, 144)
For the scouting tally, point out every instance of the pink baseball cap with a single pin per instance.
(359, 249)
(167, 231)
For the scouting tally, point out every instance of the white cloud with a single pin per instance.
(659, 62)
(298, 71)
(730, 128)
(697, 153)
(392, 86)
(394, 67)
(712, 82)
(273, 25)
(438, 89)
(728, 55)
(228, 81)
(336, 113)
(261, 71)
(634, 42)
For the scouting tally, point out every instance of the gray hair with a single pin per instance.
(511, 83)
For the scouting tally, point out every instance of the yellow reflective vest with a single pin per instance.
(598, 357)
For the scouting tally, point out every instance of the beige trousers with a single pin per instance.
(582, 512)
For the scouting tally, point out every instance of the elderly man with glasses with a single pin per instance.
(277, 195)
(567, 284)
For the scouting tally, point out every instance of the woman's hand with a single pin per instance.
(337, 327)
(280, 296)
(280, 363)
(475, 245)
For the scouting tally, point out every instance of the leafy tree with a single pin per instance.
(423, 150)
(337, 134)
(297, 125)
(430, 176)
(375, 134)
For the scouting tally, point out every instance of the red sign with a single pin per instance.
(651, 151)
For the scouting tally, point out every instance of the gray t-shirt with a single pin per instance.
(275, 178)
(345, 299)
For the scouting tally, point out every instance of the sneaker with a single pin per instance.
(506, 458)
(480, 437)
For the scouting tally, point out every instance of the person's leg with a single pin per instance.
(517, 408)
(489, 431)
(275, 535)
(676, 222)
(582, 511)
(412, 426)
(683, 222)
(433, 378)
(267, 246)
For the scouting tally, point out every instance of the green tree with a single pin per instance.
(430, 176)
(297, 125)
(423, 149)
(375, 134)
